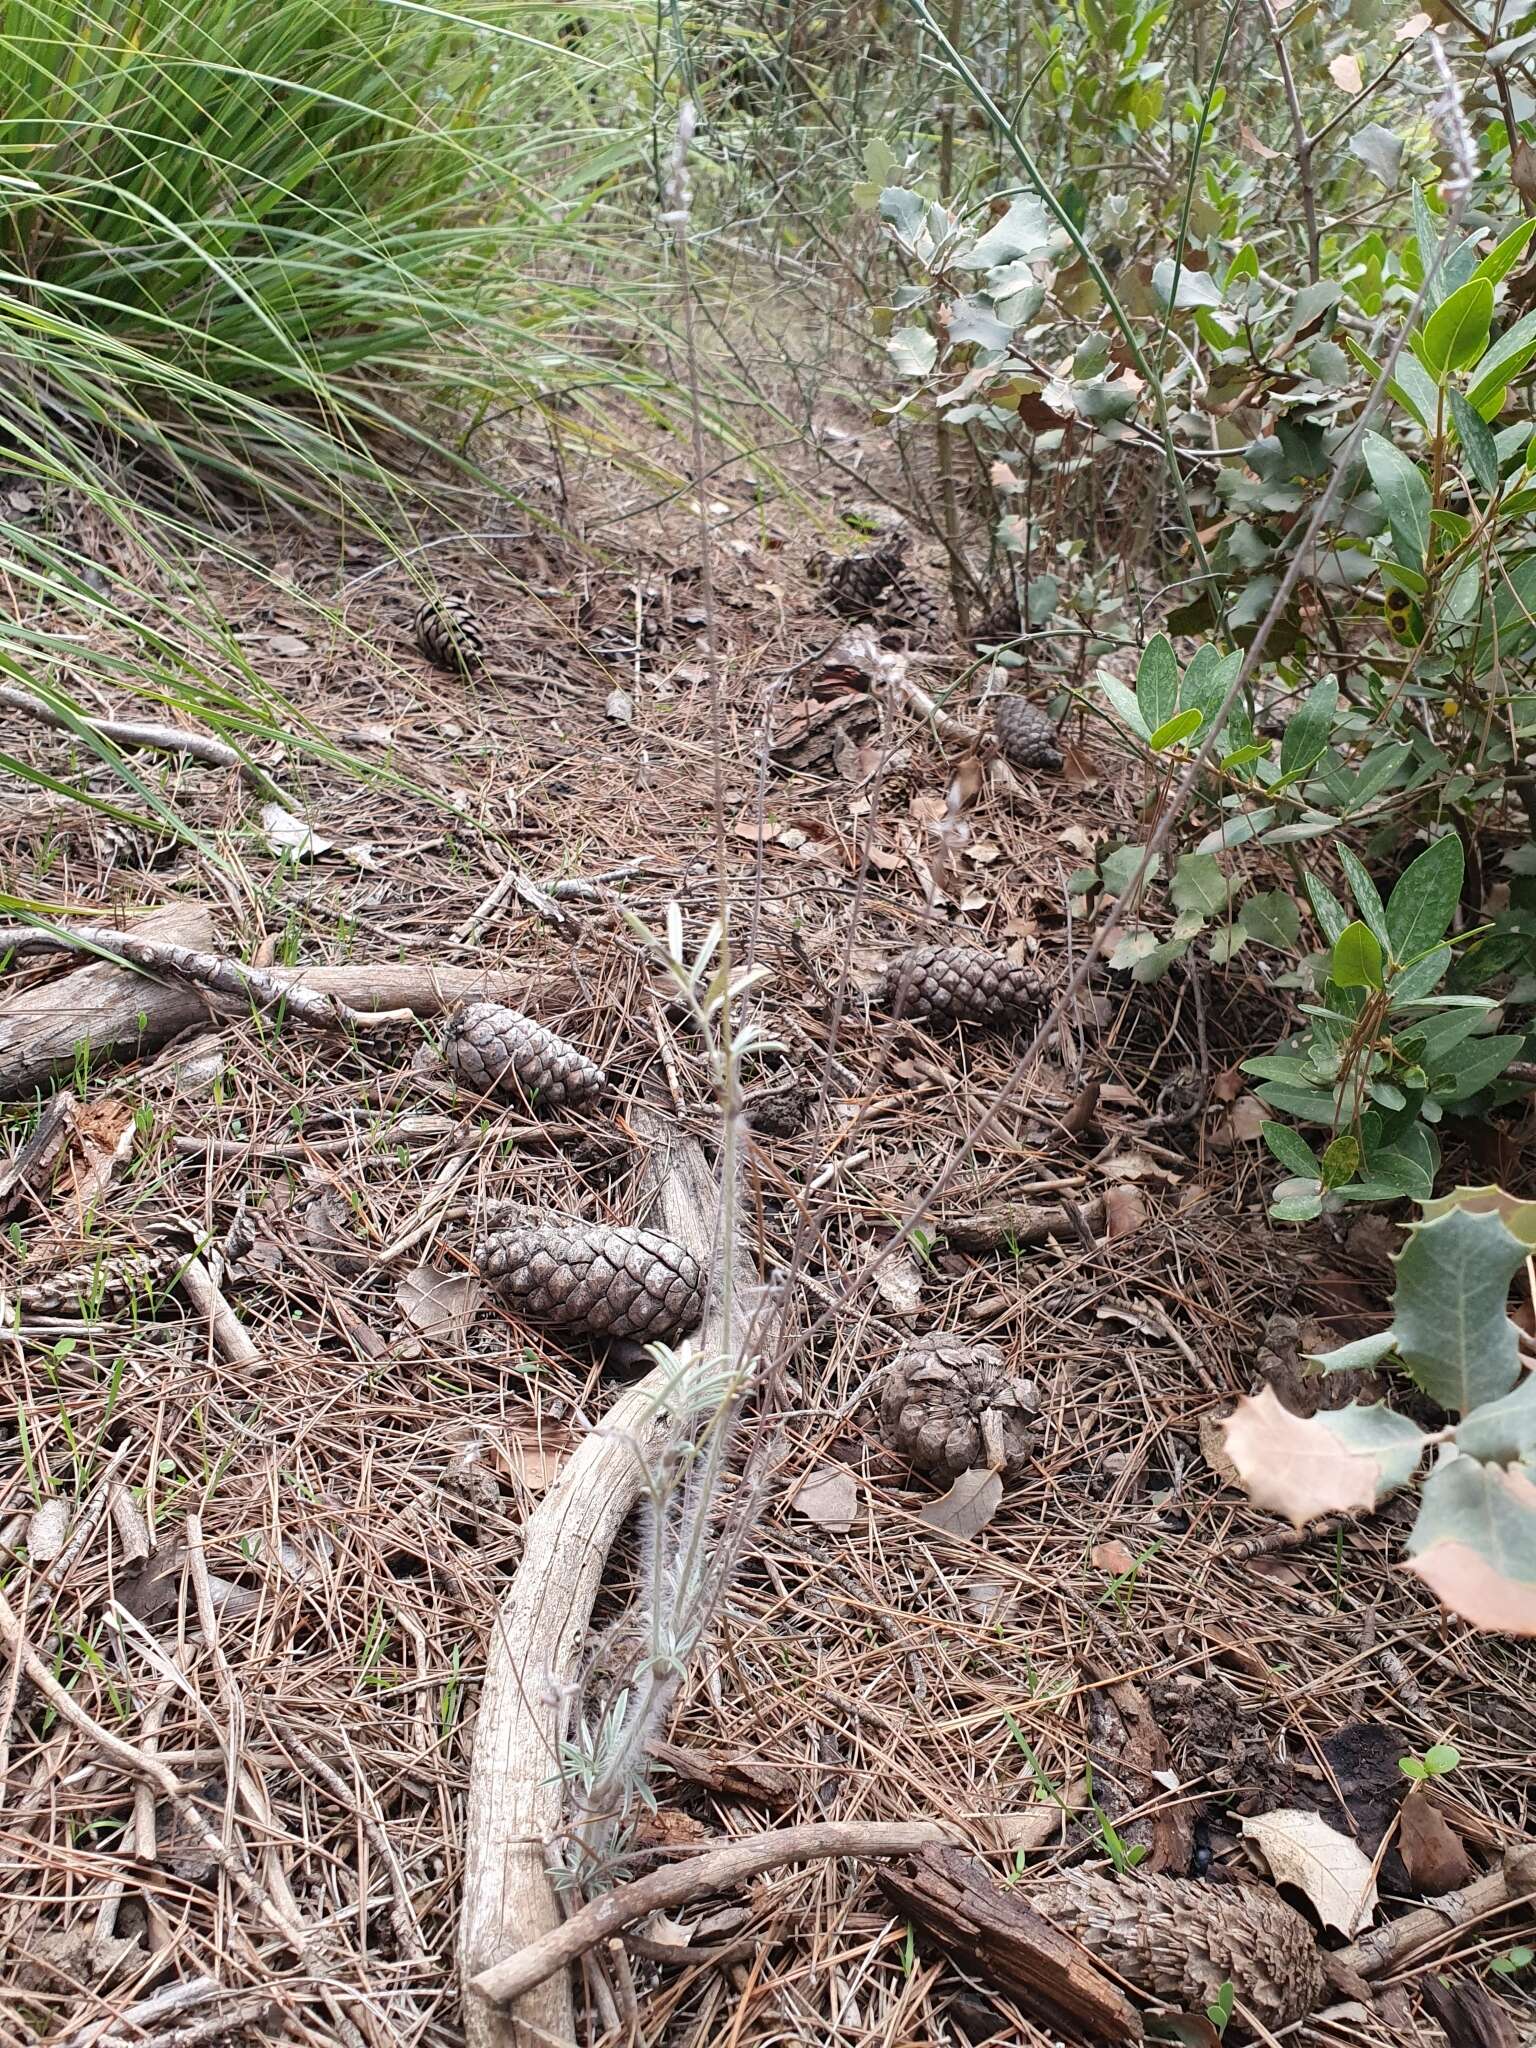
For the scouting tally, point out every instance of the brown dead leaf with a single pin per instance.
(829, 1498)
(1345, 73)
(969, 1504)
(1522, 170)
(899, 1284)
(1112, 1556)
(1330, 1870)
(46, 1530)
(1413, 28)
(439, 1305)
(970, 779)
(1125, 1210)
(1433, 1854)
(1253, 145)
(100, 1142)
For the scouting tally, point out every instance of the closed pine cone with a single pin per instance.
(948, 1406)
(596, 1278)
(857, 585)
(446, 632)
(961, 982)
(1025, 735)
(497, 1051)
(1182, 1941)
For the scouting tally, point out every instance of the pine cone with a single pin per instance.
(857, 585)
(947, 1405)
(1025, 736)
(497, 1051)
(447, 634)
(910, 608)
(963, 983)
(1000, 626)
(1182, 1941)
(595, 1278)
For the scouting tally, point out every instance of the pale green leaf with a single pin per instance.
(1449, 1319)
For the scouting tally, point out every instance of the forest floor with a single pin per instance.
(1126, 1651)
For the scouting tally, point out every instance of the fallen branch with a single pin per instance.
(118, 1013)
(256, 988)
(944, 723)
(1021, 1223)
(516, 1801)
(679, 1884)
(1389, 1947)
(158, 739)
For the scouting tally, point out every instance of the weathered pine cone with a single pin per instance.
(857, 585)
(1000, 625)
(961, 982)
(1181, 1941)
(497, 1051)
(446, 631)
(948, 1406)
(1025, 736)
(596, 1278)
(910, 608)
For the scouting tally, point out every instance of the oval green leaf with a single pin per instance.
(1357, 960)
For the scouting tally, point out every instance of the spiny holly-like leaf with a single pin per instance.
(1474, 1544)
(1518, 1217)
(1199, 884)
(1272, 918)
(1425, 899)
(1502, 1432)
(1024, 230)
(1449, 1318)
(1327, 1464)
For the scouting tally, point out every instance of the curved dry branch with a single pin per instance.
(516, 1797)
(159, 739)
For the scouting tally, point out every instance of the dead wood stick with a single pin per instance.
(231, 1339)
(1020, 1223)
(158, 739)
(257, 988)
(516, 1797)
(943, 722)
(1387, 1948)
(113, 1012)
(678, 1884)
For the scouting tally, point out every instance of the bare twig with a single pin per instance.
(735, 1863)
(160, 739)
(1391, 1946)
(1020, 1223)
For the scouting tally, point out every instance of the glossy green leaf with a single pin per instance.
(1476, 442)
(1182, 726)
(1341, 1160)
(1367, 901)
(1456, 333)
(1307, 731)
(1404, 495)
(1502, 363)
(1291, 1149)
(1425, 899)
(1157, 682)
(1326, 907)
(1357, 958)
(1503, 257)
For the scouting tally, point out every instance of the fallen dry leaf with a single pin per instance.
(1433, 1854)
(899, 1285)
(1345, 73)
(620, 707)
(1332, 1871)
(438, 1304)
(1125, 1210)
(46, 1531)
(969, 1504)
(1413, 28)
(286, 834)
(829, 1498)
(101, 1141)
(1112, 1556)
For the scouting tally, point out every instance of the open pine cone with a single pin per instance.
(857, 585)
(964, 983)
(447, 633)
(497, 1051)
(1026, 738)
(600, 1279)
(948, 1405)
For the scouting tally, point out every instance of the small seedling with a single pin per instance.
(1513, 1961)
(1434, 1763)
(1219, 2011)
